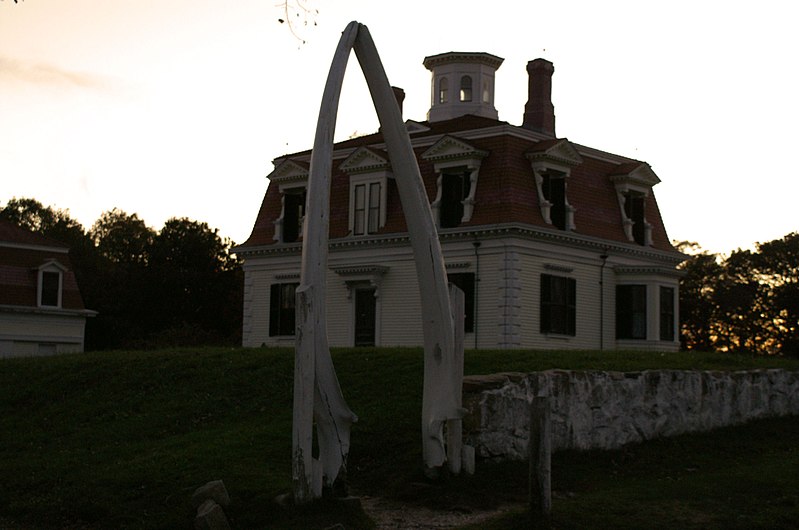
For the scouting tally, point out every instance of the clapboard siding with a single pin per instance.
(508, 294)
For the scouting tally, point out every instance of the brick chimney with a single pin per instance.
(539, 113)
(400, 95)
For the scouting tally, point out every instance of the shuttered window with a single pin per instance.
(281, 309)
(558, 305)
(631, 312)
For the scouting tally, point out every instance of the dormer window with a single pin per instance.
(634, 209)
(366, 213)
(455, 187)
(291, 177)
(553, 187)
(552, 161)
(457, 166)
(50, 284)
(466, 88)
(369, 171)
(633, 183)
(51, 289)
(443, 90)
(293, 214)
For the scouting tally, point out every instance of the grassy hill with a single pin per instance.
(122, 439)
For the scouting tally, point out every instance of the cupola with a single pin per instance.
(462, 83)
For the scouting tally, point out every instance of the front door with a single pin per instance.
(364, 317)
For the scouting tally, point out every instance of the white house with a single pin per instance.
(41, 308)
(556, 245)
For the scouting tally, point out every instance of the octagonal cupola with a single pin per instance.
(462, 83)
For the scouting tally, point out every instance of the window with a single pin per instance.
(486, 90)
(554, 190)
(443, 90)
(558, 305)
(50, 289)
(667, 314)
(455, 185)
(631, 312)
(465, 282)
(293, 214)
(366, 208)
(281, 309)
(634, 210)
(466, 88)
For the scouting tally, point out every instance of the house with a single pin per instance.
(556, 245)
(41, 308)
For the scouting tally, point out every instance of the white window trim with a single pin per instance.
(540, 169)
(639, 180)
(363, 277)
(379, 177)
(472, 165)
(286, 188)
(622, 190)
(50, 266)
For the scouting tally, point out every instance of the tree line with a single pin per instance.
(181, 286)
(178, 286)
(745, 302)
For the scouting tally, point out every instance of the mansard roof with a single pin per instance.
(506, 192)
(22, 254)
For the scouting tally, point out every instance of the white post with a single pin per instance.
(313, 363)
(314, 371)
(455, 426)
(540, 453)
(442, 389)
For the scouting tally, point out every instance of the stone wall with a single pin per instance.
(606, 410)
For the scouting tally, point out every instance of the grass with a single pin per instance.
(122, 439)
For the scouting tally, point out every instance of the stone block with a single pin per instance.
(210, 516)
(214, 490)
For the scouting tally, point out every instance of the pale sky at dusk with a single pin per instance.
(177, 107)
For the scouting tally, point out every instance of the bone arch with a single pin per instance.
(314, 374)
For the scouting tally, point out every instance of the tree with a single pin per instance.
(49, 222)
(197, 283)
(748, 302)
(697, 297)
(122, 238)
(777, 269)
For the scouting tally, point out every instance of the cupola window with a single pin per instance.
(466, 88)
(443, 90)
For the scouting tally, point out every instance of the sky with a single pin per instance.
(176, 108)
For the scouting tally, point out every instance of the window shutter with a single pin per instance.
(546, 298)
(572, 311)
(274, 310)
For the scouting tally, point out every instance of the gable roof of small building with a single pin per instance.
(22, 254)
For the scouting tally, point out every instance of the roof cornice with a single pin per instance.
(434, 61)
(37, 248)
(4, 308)
(524, 231)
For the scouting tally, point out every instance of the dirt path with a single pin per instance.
(389, 514)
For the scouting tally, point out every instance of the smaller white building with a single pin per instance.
(41, 308)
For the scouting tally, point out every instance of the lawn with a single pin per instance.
(122, 439)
